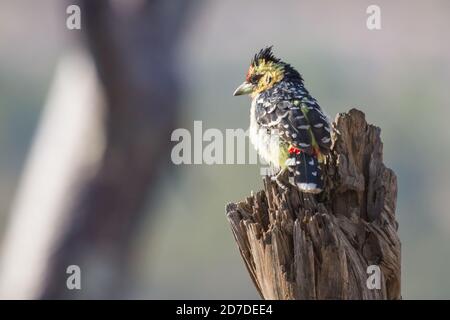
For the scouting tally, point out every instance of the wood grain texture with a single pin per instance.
(301, 246)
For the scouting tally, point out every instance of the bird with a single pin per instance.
(288, 128)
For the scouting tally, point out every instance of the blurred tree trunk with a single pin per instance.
(63, 156)
(298, 246)
(133, 45)
(85, 183)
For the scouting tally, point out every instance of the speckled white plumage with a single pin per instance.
(266, 144)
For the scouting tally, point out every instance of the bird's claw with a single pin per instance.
(280, 179)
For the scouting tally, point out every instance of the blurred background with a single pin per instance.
(86, 117)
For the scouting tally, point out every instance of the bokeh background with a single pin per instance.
(182, 246)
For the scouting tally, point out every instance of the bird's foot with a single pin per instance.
(282, 180)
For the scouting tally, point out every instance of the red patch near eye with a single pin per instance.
(249, 74)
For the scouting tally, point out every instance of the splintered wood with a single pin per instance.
(330, 246)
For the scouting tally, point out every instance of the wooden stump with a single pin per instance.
(301, 246)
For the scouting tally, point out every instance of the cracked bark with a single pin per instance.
(301, 246)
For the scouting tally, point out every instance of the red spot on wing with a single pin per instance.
(294, 150)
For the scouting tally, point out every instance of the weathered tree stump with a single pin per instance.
(301, 246)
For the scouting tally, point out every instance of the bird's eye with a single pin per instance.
(255, 78)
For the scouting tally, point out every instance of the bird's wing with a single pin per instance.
(320, 124)
(298, 123)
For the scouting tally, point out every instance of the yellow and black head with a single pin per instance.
(266, 71)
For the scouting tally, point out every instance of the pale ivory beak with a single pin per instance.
(244, 88)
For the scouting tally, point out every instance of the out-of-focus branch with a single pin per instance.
(65, 153)
(91, 224)
(133, 46)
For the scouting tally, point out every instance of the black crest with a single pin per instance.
(264, 54)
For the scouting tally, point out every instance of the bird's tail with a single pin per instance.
(305, 172)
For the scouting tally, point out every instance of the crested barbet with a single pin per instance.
(287, 126)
